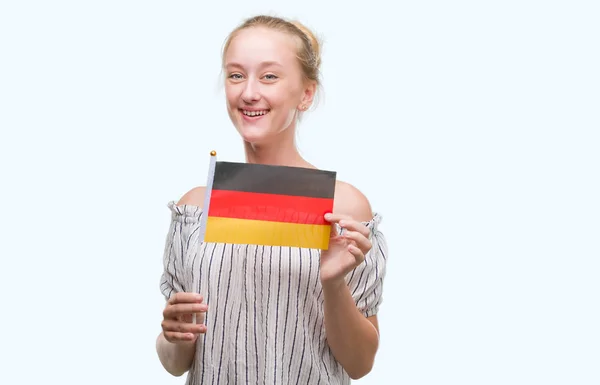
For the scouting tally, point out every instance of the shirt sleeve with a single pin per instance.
(366, 280)
(185, 222)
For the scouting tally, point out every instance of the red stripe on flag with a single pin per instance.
(269, 207)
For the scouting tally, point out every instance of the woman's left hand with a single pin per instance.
(346, 250)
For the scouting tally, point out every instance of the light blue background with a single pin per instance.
(472, 126)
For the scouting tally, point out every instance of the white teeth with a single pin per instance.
(254, 113)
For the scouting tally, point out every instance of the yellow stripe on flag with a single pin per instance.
(256, 232)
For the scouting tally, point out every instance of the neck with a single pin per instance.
(280, 151)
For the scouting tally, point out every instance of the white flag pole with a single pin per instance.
(205, 207)
(209, 183)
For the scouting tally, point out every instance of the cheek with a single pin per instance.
(230, 95)
(286, 113)
(282, 98)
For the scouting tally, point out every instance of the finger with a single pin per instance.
(362, 242)
(182, 309)
(175, 337)
(337, 221)
(359, 256)
(334, 218)
(174, 311)
(351, 224)
(185, 298)
(333, 230)
(170, 326)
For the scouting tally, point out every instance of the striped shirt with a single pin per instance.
(265, 323)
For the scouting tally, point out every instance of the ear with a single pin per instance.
(308, 95)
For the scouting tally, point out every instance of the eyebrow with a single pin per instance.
(263, 64)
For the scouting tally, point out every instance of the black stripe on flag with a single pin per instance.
(269, 179)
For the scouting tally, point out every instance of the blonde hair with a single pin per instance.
(309, 51)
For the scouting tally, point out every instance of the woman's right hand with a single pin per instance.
(177, 324)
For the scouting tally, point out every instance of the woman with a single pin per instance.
(272, 315)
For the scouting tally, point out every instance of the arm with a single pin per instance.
(352, 337)
(352, 330)
(175, 358)
(176, 344)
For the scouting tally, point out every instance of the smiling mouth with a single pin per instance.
(254, 113)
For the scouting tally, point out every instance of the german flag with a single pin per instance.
(269, 205)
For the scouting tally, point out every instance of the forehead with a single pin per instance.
(253, 46)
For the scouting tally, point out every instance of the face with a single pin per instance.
(264, 85)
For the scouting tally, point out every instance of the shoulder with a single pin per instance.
(194, 197)
(349, 200)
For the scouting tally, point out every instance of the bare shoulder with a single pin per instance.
(194, 197)
(349, 200)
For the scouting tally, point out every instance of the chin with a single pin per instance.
(254, 136)
(256, 133)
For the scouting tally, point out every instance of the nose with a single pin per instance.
(250, 93)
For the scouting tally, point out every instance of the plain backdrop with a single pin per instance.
(472, 127)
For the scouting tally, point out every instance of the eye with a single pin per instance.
(235, 76)
(271, 77)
